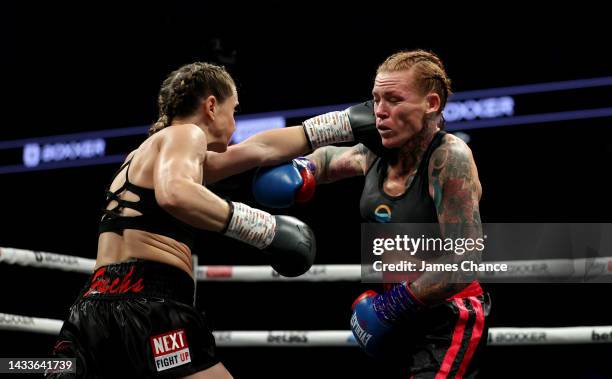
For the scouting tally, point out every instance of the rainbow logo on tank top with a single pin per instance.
(382, 213)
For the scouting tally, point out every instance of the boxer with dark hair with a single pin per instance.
(136, 315)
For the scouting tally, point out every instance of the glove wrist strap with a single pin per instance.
(328, 128)
(250, 225)
(397, 304)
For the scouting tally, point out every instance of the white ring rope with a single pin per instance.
(252, 338)
(497, 336)
(582, 268)
(47, 260)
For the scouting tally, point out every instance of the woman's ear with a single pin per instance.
(210, 107)
(433, 103)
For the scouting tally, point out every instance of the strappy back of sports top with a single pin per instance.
(152, 218)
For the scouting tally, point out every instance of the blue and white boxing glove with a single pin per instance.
(283, 185)
(375, 316)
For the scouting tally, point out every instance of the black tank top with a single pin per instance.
(153, 218)
(415, 205)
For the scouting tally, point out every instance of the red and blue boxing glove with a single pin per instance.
(282, 186)
(376, 316)
(294, 182)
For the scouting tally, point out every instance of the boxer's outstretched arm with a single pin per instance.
(335, 163)
(456, 190)
(356, 123)
(263, 149)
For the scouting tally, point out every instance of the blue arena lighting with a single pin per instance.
(486, 108)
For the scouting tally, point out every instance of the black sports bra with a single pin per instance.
(153, 218)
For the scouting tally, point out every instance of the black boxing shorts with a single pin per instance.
(446, 341)
(136, 319)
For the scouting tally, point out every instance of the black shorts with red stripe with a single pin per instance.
(136, 319)
(447, 341)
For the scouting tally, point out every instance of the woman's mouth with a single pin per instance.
(384, 131)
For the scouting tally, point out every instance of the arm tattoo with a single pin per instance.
(456, 187)
(335, 163)
(435, 287)
(438, 164)
(456, 193)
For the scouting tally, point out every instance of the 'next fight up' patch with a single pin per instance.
(170, 349)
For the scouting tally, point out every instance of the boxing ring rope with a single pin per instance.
(202, 273)
(500, 336)
(338, 338)
(525, 269)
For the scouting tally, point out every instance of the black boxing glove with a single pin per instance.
(293, 248)
(356, 123)
(289, 243)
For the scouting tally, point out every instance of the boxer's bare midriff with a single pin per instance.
(137, 244)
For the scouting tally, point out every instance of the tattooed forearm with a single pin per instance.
(434, 288)
(335, 163)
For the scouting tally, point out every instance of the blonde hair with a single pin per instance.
(429, 73)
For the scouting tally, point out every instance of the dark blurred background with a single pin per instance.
(68, 69)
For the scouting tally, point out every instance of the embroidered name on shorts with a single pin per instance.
(123, 284)
(170, 350)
